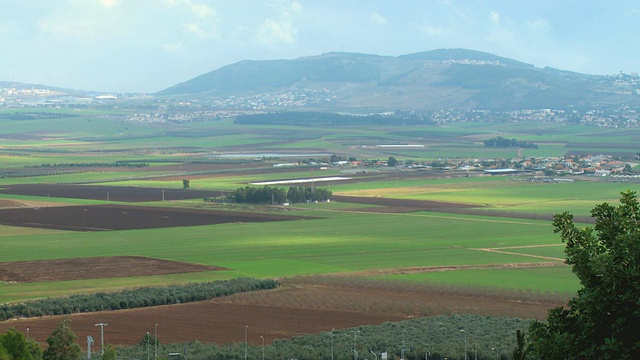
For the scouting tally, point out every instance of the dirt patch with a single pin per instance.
(10, 204)
(94, 268)
(122, 217)
(296, 308)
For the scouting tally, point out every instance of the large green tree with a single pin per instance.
(62, 343)
(603, 320)
(15, 344)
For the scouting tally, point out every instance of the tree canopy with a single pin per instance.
(601, 321)
(62, 343)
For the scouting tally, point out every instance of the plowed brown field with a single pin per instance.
(295, 308)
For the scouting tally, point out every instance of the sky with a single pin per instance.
(146, 46)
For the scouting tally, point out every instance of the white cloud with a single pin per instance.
(109, 3)
(539, 25)
(431, 30)
(202, 11)
(85, 18)
(287, 8)
(172, 47)
(202, 31)
(272, 32)
(495, 17)
(377, 18)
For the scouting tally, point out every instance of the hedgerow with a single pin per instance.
(134, 298)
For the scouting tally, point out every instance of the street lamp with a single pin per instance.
(402, 351)
(355, 351)
(496, 350)
(426, 355)
(332, 330)
(262, 337)
(27, 334)
(155, 343)
(245, 341)
(465, 343)
(148, 342)
(475, 347)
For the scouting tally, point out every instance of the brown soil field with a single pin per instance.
(295, 308)
(122, 217)
(112, 193)
(93, 268)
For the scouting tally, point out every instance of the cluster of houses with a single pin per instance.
(590, 165)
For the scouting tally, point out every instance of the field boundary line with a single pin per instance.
(521, 254)
(441, 268)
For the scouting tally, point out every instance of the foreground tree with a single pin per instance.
(601, 322)
(62, 343)
(4, 355)
(15, 344)
(110, 353)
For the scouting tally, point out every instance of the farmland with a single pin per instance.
(394, 243)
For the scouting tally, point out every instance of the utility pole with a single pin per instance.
(102, 325)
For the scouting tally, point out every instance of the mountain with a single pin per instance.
(438, 79)
(26, 86)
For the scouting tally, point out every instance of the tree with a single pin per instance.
(601, 321)
(185, 184)
(62, 343)
(392, 161)
(4, 355)
(109, 353)
(34, 349)
(15, 344)
(520, 352)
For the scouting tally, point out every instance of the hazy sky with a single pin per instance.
(149, 45)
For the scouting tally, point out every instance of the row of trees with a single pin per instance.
(135, 298)
(274, 195)
(126, 164)
(439, 336)
(500, 142)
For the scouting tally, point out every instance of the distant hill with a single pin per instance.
(438, 79)
(26, 86)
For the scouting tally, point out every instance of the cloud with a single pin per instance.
(172, 47)
(109, 3)
(495, 17)
(287, 8)
(202, 11)
(198, 19)
(431, 30)
(539, 26)
(377, 18)
(272, 32)
(85, 19)
(203, 31)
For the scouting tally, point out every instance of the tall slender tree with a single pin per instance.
(62, 343)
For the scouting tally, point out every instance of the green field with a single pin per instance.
(343, 239)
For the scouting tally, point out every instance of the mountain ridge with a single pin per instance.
(436, 79)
